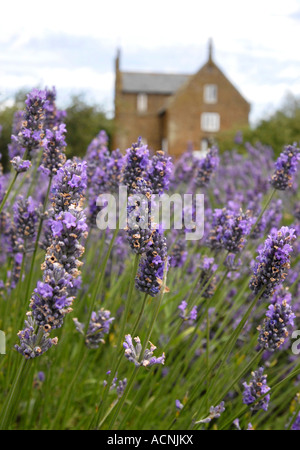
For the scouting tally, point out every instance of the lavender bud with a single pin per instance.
(286, 166)
(99, 326)
(133, 353)
(255, 389)
(274, 331)
(273, 261)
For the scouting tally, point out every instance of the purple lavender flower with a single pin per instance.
(33, 344)
(20, 165)
(273, 261)
(114, 169)
(69, 186)
(139, 232)
(178, 254)
(208, 267)
(286, 167)
(149, 278)
(54, 150)
(133, 353)
(159, 172)
(178, 405)
(32, 132)
(274, 331)
(53, 116)
(255, 389)
(99, 326)
(50, 301)
(214, 413)
(192, 316)
(15, 148)
(67, 228)
(25, 221)
(206, 167)
(229, 230)
(136, 163)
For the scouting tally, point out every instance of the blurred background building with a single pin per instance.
(170, 110)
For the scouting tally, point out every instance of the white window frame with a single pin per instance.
(142, 102)
(210, 122)
(210, 93)
(164, 145)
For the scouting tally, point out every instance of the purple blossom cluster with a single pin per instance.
(149, 278)
(214, 413)
(273, 262)
(136, 163)
(229, 230)
(159, 172)
(15, 148)
(139, 229)
(32, 131)
(178, 253)
(99, 325)
(33, 344)
(104, 172)
(53, 116)
(133, 353)
(20, 165)
(192, 316)
(54, 150)
(256, 388)
(206, 167)
(285, 168)
(274, 331)
(52, 299)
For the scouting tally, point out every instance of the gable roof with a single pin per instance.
(152, 83)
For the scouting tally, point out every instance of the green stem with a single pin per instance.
(8, 191)
(124, 396)
(12, 395)
(117, 361)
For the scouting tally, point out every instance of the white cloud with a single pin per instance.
(71, 43)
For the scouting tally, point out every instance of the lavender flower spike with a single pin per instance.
(151, 268)
(137, 160)
(160, 172)
(32, 132)
(33, 344)
(133, 353)
(274, 330)
(214, 413)
(229, 230)
(206, 167)
(99, 326)
(20, 165)
(255, 389)
(273, 261)
(286, 166)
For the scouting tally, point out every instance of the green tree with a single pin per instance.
(84, 122)
(280, 129)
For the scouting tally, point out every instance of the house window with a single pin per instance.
(210, 93)
(210, 122)
(164, 145)
(204, 145)
(142, 103)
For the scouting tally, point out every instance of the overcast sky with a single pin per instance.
(72, 44)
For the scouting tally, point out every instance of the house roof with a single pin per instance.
(152, 83)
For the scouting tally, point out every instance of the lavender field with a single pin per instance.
(147, 326)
